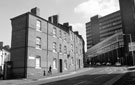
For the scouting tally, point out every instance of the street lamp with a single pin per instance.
(117, 50)
(132, 52)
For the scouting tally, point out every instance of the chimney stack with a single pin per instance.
(35, 11)
(70, 27)
(66, 24)
(1, 44)
(76, 32)
(7, 46)
(54, 19)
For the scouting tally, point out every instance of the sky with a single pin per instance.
(76, 12)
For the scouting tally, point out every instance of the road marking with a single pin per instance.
(80, 82)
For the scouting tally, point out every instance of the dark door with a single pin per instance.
(79, 63)
(60, 65)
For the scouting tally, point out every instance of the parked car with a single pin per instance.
(117, 64)
(98, 64)
(108, 64)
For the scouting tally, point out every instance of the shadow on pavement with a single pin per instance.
(87, 79)
(127, 79)
(99, 66)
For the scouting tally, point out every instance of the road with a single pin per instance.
(96, 76)
(128, 78)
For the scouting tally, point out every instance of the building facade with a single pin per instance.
(108, 52)
(39, 44)
(4, 56)
(122, 21)
(100, 28)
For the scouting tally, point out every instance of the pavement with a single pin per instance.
(25, 81)
(128, 78)
(57, 76)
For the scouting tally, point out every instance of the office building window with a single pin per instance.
(38, 43)
(65, 49)
(65, 64)
(60, 33)
(54, 63)
(54, 31)
(38, 62)
(38, 25)
(54, 47)
(60, 48)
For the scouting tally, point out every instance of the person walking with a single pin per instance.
(50, 70)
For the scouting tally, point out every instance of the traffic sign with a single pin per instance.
(131, 46)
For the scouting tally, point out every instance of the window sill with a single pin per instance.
(37, 67)
(54, 51)
(60, 38)
(38, 30)
(54, 36)
(65, 68)
(55, 68)
(38, 48)
(65, 54)
(60, 53)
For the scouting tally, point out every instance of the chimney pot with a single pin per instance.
(35, 11)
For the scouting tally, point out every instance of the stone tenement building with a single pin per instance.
(38, 44)
(4, 55)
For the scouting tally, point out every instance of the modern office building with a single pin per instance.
(39, 45)
(99, 29)
(108, 52)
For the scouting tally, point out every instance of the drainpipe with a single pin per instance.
(47, 47)
(75, 52)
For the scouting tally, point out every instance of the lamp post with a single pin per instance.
(117, 50)
(132, 52)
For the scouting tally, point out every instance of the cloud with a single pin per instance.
(93, 7)
(59, 1)
(81, 29)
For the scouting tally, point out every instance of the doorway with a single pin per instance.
(79, 63)
(60, 65)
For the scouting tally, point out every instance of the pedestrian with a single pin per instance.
(50, 70)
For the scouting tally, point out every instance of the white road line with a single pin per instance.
(80, 82)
